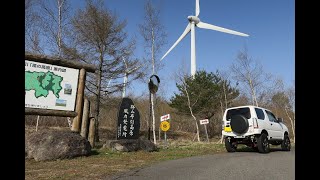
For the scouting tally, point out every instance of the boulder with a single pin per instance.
(51, 145)
(129, 145)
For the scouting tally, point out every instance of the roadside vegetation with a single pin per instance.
(103, 162)
(96, 35)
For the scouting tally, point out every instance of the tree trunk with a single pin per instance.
(60, 3)
(292, 125)
(190, 108)
(152, 51)
(221, 139)
(225, 95)
(197, 126)
(37, 123)
(92, 131)
(97, 110)
(253, 94)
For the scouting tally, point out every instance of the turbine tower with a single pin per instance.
(194, 21)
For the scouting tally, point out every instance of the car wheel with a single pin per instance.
(263, 143)
(230, 144)
(285, 145)
(239, 124)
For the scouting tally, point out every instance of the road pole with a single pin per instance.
(165, 139)
(149, 116)
(205, 127)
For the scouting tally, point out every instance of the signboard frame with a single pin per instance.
(65, 63)
(50, 86)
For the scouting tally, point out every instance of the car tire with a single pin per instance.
(285, 145)
(230, 145)
(263, 143)
(239, 124)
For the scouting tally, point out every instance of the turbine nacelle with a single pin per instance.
(194, 19)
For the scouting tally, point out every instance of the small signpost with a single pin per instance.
(165, 126)
(205, 122)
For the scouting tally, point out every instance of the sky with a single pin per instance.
(270, 25)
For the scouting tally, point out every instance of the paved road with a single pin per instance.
(277, 165)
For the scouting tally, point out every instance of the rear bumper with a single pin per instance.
(249, 133)
(249, 140)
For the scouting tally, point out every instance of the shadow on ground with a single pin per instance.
(248, 149)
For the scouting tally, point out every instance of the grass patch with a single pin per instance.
(104, 162)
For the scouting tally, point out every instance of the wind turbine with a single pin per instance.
(127, 72)
(194, 21)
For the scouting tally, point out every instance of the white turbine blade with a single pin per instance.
(197, 8)
(217, 28)
(185, 32)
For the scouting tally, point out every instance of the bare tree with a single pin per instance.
(290, 109)
(153, 34)
(226, 96)
(181, 79)
(154, 37)
(59, 35)
(190, 108)
(32, 27)
(283, 99)
(55, 25)
(101, 40)
(249, 72)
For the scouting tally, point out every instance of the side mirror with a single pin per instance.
(280, 120)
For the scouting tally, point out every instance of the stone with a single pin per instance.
(129, 145)
(52, 145)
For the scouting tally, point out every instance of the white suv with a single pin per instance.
(255, 127)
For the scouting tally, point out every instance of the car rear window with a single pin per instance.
(239, 111)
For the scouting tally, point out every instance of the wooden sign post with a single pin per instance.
(205, 122)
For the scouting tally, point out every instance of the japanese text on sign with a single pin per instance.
(128, 122)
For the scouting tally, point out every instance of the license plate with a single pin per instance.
(227, 129)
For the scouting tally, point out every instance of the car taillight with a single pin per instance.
(255, 123)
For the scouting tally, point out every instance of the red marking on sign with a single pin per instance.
(165, 117)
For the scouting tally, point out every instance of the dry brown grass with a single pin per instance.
(104, 162)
